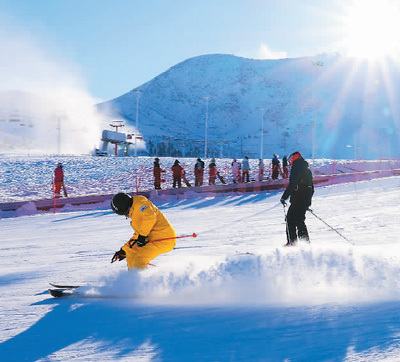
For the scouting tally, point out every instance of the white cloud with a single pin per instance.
(264, 52)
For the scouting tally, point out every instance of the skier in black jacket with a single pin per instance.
(300, 190)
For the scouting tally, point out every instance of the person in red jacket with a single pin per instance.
(157, 170)
(59, 180)
(177, 174)
(212, 172)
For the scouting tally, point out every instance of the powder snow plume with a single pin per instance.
(308, 275)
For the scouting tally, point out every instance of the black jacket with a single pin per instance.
(300, 188)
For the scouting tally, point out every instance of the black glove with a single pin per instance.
(283, 202)
(119, 255)
(141, 241)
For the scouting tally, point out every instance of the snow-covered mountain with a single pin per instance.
(347, 107)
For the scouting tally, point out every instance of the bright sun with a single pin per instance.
(372, 28)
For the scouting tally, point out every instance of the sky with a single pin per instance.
(113, 47)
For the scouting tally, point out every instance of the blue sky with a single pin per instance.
(118, 45)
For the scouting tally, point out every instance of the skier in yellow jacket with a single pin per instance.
(149, 223)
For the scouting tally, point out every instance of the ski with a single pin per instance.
(185, 180)
(60, 292)
(243, 253)
(76, 291)
(60, 286)
(221, 178)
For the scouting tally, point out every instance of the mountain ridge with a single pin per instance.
(347, 99)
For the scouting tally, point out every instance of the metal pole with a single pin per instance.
(138, 92)
(262, 133)
(59, 135)
(312, 212)
(317, 65)
(206, 128)
(313, 141)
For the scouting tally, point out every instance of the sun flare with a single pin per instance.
(372, 28)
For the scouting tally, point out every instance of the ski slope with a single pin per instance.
(234, 293)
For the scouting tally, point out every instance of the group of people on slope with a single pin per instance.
(154, 235)
(276, 167)
(240, 171)
(178, 173)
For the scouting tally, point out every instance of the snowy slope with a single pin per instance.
(232, 294)
(351, 102)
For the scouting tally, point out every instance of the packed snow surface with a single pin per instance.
(233, 293)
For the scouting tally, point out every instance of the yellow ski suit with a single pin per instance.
(149, 221)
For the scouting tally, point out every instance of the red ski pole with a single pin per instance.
(133, 241)
(176, 237)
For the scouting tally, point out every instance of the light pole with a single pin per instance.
(206, 127)
(59, 135)
(262, 109)
(317, 65)
(60, 117)
(138, 92)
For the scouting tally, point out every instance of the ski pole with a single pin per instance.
(176, 237)
(312, 212)
(132, 242)
(287, 227)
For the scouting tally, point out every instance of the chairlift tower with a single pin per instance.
(116, 125)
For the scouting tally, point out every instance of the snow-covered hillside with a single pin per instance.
(29, 177)
(232, 294)
(350, 101)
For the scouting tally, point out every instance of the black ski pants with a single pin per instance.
(296, 227)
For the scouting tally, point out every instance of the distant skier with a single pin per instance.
(275, 167)
(212, 172)
(199, 172)
(245, 169)
(300, 190)
(285, 169)
(260, 169)
(59, 181)
(148, 223)
(235, 170)
(157, 170)
(177, 172)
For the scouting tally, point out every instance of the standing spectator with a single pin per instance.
(59, 180)
(275, 167)
(285, 169)
(235, 170)
(199, 172)
(245, 169)
(212, 172)
(260, 169)
(177, 174)
(300, 190)
(157, 170)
